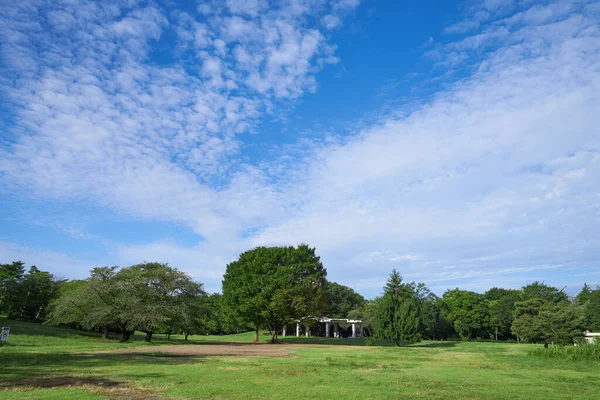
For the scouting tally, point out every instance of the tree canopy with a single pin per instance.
(397, 312)
(145, 297)
(271, 286)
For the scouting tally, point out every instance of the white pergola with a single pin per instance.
(592, 337)
(329, 322)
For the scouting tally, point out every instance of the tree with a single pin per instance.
(218, 319)
(537, 321)
(469, 313)
(366, 313)
(584, 296)
(11, 276)
(145, 297)
(543, 291)
(26, 294)
(397, 315)
(271, 286)
(591, 312)
(159, 297)
(342, 300)
(38, 288)
(434, 324)
(96, 302)
(501, 304)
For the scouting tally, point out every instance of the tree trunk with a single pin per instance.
(149, 336)
(104, 332)
(186, 335)
(274, 337)
(125, 335)
(256, 340)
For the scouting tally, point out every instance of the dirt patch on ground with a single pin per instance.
(229, 349)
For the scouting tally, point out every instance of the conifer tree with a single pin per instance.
(397, 316)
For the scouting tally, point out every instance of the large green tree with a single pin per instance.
(538, 321)
(397, 313)
(501, 304)
(271, 286)
(469, 311)
(148, 297)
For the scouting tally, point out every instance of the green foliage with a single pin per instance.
(397, 312)
(271, 286)
(26, 295)
(218, 319)
(365, 313)
(583, 352)
(501, 303)
(584, 296)
(469, 311)
(591, 312)
(434, 323)
(537, 321)
(148, 297)
(545, 292)
(342, 300)
(545, 315)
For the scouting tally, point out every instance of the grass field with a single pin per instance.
(50, 363)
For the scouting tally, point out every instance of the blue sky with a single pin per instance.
(457, 142)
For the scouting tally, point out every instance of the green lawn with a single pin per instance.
(69, 365)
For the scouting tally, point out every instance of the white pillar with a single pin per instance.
(284, 330)
(335, 330)
(326, 329)
(307, 331)
(361, 331)
(353, 331)
(297, 330)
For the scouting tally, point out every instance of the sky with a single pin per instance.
(457, 142)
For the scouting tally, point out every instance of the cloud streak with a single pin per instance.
(496, 177)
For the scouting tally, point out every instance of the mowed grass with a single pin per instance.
(51, 363)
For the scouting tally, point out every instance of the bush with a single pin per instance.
(583, 352)
(369, 342)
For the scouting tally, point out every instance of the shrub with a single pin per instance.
(583, 352)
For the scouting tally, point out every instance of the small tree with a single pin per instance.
(397, 314)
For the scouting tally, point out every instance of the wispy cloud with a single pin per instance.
(496, 176)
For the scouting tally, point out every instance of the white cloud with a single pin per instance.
(505, 163)
(331, 21)
(496, 177)
(61, 265)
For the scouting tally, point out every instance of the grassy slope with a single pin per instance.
(444, 370)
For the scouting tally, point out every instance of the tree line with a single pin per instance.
(270, 287)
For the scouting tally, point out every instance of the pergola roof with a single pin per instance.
(333, 320)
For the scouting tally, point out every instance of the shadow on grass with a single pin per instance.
(435, 344)
(57, 369)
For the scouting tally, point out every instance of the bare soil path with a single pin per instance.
(225, 349)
